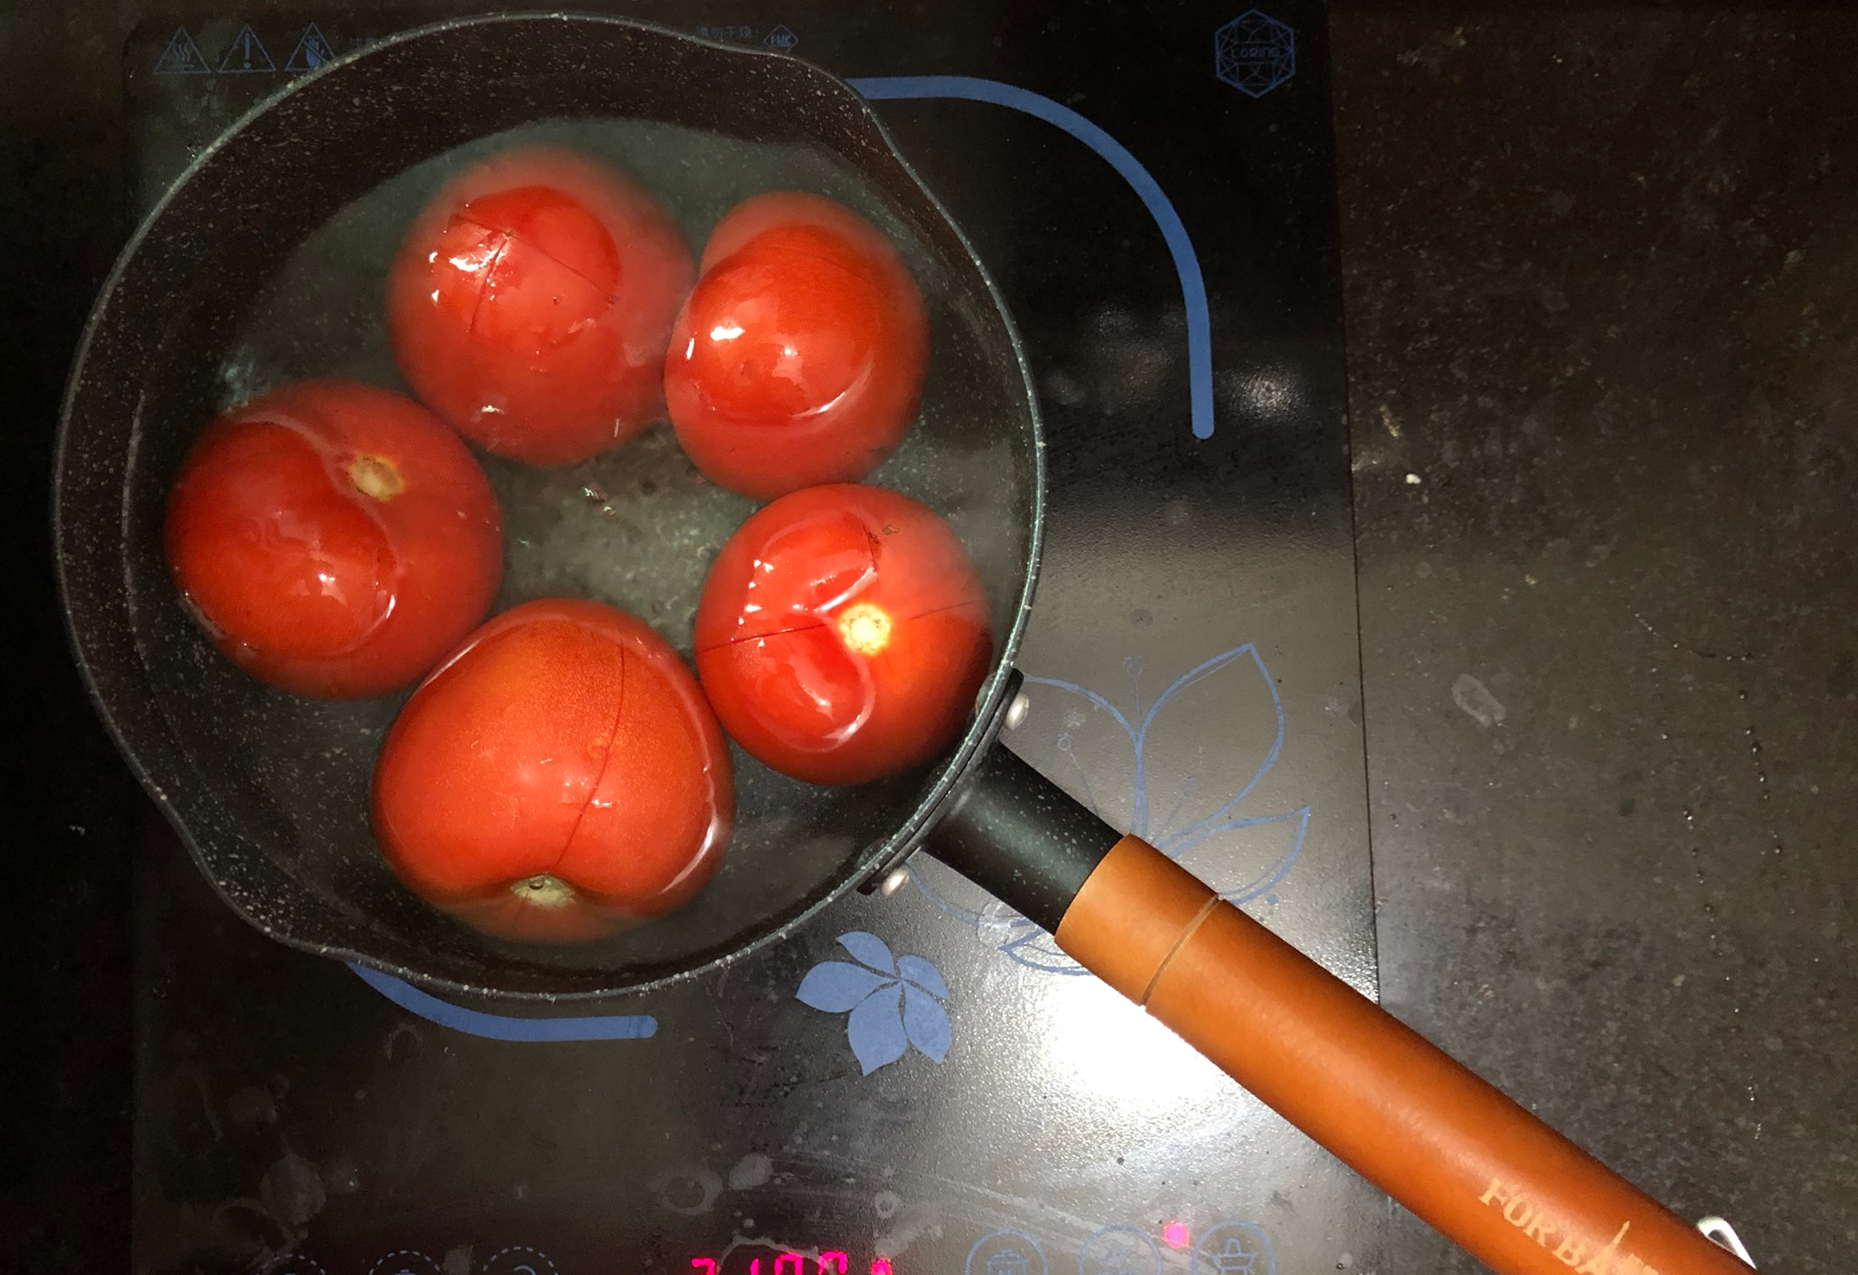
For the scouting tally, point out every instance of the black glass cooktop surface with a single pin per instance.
(919, 1082)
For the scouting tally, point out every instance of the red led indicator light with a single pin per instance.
(1174, 1235)
(880, 1266)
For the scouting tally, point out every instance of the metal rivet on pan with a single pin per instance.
(1017, 710)
(897, 878)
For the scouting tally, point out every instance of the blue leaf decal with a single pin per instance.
(835, 986)
(1036, 948)
(870, 949)
(1096, 761)
(920, 972)
(1236, 686)
(887, 1014)
(1110, 760)
(875, 1029)
(925, 1022)
(1243, 887)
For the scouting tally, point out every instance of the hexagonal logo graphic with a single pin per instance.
(1254, 53)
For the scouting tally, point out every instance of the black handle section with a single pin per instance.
(1017, 835)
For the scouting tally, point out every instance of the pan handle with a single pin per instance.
(1511, 1191)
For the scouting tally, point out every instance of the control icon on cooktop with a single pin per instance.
(1006, 1253)
(1234, 1248)
(519, 1259)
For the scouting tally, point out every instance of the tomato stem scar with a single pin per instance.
(865, 628)
(375, 476)
(543, 891)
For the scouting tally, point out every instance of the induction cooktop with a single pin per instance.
(918, 1082)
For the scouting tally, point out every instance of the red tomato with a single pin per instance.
(530, 304)
(799, 359)
(557, 778)
(842, 634)
(333, 539)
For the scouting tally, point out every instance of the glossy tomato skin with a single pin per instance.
(799, 358)
(842, 634)
(557, 778)
(333, 539)
(530, 303)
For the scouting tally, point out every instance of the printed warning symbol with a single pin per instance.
(182, 56)
(247, 55)
(311, 52)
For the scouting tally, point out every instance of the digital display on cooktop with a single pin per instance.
(1227, 1248)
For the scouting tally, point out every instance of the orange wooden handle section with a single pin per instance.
(1514, 1193)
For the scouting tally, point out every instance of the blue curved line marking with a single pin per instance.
(1269, 883)
(1088, 694)
(881, 88)
(475, 1022)
(1138, 736)
(1024, 943)
(1194, 831)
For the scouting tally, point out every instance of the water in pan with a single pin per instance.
(635, 527)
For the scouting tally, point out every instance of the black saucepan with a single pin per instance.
(265, 263)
